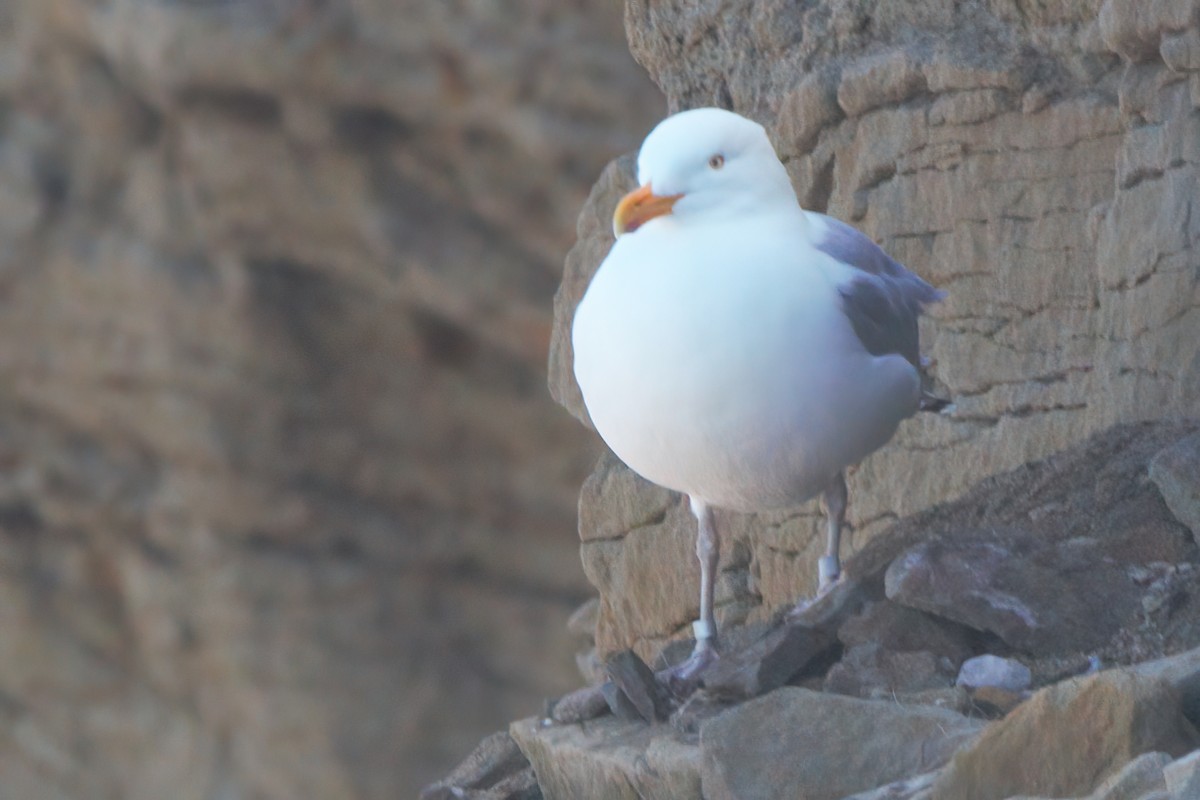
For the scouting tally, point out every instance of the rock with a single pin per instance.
(887, 79)
(951, 698)
(1033, 593)
(1181, 51)
(619, 703)
(1133, 29)
(582, 704)
(996, 672)
(496, 761)
(908, 789)
(869, 670)
(1176, 471)
(582, 621)
(1182, 777)
(816, 746)
(636, 682)
(766, 664)
(1071, 301)
(609, 758)
(1182, 672)
(1139, 777)
(698, 707)
(1057, 570)
(895, 627)
(996, 702)
(1036, 750)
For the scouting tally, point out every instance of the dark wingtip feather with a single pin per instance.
(936, 405)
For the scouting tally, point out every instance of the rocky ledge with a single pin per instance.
(1037, 638)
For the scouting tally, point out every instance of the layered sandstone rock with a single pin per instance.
(1038, 162)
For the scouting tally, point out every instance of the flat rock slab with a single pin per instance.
(767, 663)
(1070, 737)
(635, 686)
(814, 746)
(609, 759)
(1040, 595)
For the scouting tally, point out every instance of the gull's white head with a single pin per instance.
(704, 162)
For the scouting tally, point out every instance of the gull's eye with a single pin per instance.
(717, 161)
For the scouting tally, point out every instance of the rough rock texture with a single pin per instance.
(823, 745)
(1176, 471)
(1070, 737)
(1139, 777)
(816, 746)
(772, 717)
(1095, 504)
(285, 511)
(610, 758)
(1183, 776)
(1039, 161)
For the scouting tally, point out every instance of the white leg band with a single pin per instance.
(828, 569)
(703, 629)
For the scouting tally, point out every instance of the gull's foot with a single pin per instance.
(829, 578)
(684, 678)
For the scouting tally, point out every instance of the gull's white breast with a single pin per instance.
(718, 362)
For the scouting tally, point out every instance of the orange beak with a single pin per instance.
(639, 207)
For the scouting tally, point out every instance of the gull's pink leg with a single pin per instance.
(684, 677)
(829, 567)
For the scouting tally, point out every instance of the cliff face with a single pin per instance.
(280, 475)
(1037, 161)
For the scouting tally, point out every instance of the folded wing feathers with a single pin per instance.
(884, 300)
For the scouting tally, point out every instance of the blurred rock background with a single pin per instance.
(285, 508)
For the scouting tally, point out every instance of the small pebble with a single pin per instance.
(989, 670)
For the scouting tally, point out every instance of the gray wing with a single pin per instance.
(884, 299)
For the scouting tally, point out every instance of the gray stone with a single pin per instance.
(886, 79)
(588, 702)
(1181, 51)
(636, 682)
(1176, 471)
(1181, 671)
(1036, 750)
(869, 670)
(609, 759)
(1183, 776)
(908, 789)
(767, 663)
(1139, 777)
(896, 627)
(1134, 28)
(990, 670)
(496, 760)
(816, 746)
(1042, 596)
